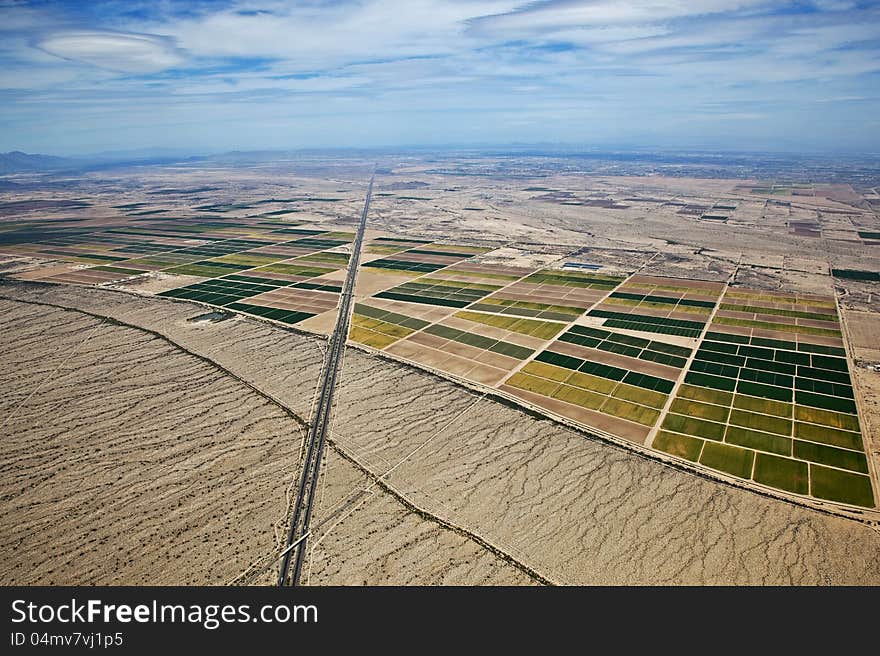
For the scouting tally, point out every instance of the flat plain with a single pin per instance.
(555, 379)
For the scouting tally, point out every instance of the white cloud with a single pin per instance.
(320, 36)
(116, 51)
(550, 16)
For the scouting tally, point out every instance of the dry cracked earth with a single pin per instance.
(140, 448)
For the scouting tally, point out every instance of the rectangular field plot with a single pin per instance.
(480, 347)
(399, 265)
(809, 319)
(649, 323)
(298, 300)
(278, 314)
(292, 271)
(224, 247)
(95, 275)
(379, 328)
(550, 294)
(564, 278)
(206, 269)
(423, 258)
(221, 291)
(534, 328)
(605, 380)
(479, 352)
(652, 304)
(388, 245)
(437, 291)
(325, 259)
(493, 274)
(634, 347)
(782, 397)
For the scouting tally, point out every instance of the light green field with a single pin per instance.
(532, 327)
(370, 338)
(630, 411)
(579, 397)
(548, 371)
(639, 395)
(781, 473)
(533, 384)
(705, 394)
(783, 327)
(763, 423)
(295, 270)
(828, 435)
(678, 445)
(836, 485)
(730, 459)
(764, 406)
(753, 439)
(249, 259)
(826, 418)
(590, 382)
(693, 426)
(699, 410)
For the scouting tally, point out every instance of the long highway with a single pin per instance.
(298, 535)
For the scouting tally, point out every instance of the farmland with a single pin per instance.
(746, 382)
(745, 363)
(779, 403)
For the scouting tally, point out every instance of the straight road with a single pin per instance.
(308, 482)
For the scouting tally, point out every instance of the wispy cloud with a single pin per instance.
(258, 73)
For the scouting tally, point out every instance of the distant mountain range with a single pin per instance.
(19, 162)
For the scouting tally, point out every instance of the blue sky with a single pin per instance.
(82, 77)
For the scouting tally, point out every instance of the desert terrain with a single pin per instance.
(554, 376)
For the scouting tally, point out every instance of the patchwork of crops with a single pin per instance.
(763, 393)
(613, 381)
(660, 305)
(768, 397)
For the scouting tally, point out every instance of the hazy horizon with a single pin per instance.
(81, 78)
(549, 149)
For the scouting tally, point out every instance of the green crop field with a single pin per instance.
(828, 435)
(781, 473)
(832, 456)
(757, 440)
(249, 259)
(693, 426)
(684, 406)
(639, 395)
(764, 406)
(703, 394)
(759, 422)
(539, 329)
(590, 382)
(786, 403)
(630, 411)
(548, 371)
(730, 459)
(295, 270)
(370, 338)
(533, 383)
(682, 446)
(827, 418)
(579, 397)
(836, 485)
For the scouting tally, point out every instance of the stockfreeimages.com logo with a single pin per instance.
(210, 616)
